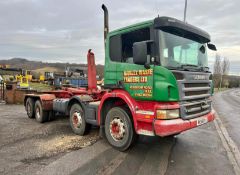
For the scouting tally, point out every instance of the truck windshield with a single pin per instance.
(177, 52)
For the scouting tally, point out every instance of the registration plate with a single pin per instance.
(201, 121)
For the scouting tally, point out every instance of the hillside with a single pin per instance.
(44, 66)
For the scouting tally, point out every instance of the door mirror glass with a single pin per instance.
(140, 52)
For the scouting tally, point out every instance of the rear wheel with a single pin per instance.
(30, 107)
(40, 115)
(119, 129)
(77, 120)
(51, 116)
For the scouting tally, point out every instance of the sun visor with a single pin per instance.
(182, 29)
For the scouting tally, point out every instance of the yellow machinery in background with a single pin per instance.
(22, 82)
(42, 78)
(27, 74)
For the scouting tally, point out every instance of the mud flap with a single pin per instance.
(101, 131)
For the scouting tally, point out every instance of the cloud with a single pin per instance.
(60, 30)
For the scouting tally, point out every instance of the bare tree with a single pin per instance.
(217, 70)
(220, 71)
(225, 66)
(225, 70)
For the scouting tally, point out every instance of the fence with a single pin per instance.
(2, 91)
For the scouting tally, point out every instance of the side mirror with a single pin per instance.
(211, 46)
(140, 52)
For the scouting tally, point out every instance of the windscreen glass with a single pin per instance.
(179, 52)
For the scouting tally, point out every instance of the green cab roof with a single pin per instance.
(170, 25)
(132, 27)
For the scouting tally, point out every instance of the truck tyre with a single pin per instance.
(119, 129)
(135, 136)
(40, 115)
(30, 108)
(51, 116)
(77, 120)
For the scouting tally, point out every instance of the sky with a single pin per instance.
(63, 30)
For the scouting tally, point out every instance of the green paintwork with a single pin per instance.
(162, 81)
(110, 70)
(165, 86)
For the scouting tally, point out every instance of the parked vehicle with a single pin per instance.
(156, 83)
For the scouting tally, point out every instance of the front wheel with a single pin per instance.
(77, 120)
(119, 129)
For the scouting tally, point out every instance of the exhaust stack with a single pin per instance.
(106, 26)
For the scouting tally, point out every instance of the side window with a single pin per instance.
(116, 48)
(121, 46)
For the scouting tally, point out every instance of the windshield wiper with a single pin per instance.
(205, 68)
(201, 68)
(175, 68)
(189, 65)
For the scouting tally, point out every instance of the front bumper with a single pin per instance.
(170, 127)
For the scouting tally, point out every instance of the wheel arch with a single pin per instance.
(45, 99)
(113, 99)
(35, 98)
(80, 99)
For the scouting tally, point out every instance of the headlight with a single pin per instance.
(167, 114)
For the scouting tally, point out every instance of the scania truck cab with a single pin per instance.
(156, 83)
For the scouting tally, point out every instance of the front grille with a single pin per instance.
(192, 109)
(194, 95)
(195, 90)
(191, 93)
(191, 85)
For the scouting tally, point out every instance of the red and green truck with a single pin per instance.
(156, 83)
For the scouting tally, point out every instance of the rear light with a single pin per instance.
(168, 114)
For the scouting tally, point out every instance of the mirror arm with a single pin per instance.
(147, 66)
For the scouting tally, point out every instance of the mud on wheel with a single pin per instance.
(119, 129)
(77, 120)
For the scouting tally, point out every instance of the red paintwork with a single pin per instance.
(144, 122)
(120, 94)
(46, 100)
(115, 128)
(170, 127)
(92, 81)
(138, 119)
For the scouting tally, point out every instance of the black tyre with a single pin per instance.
(77, 120)
(30, 108)
(119, 129)
(135, 136)
(40, 115)
(51, 116)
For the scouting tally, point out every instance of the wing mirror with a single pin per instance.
(140, 52)
(211, 46)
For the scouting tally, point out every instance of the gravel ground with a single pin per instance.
(26, 146)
